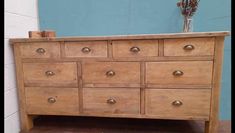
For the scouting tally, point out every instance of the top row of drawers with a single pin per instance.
(121, 48)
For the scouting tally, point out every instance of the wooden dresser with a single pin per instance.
(157, 76)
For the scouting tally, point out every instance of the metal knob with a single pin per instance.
(86, 50)
(178, 73)
(111, 101)
(49, 73)
(135, 49)
(188, 47)
(177, 103)
(51, 100)
(40, 50)
(110, 73)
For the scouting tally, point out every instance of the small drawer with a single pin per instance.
(179, 73)
(111, 74)
(86, 49)
(135, 48)
(189, 47)
(51, 101)
(178, 103)
(50, 74)
(40, 50)
(111, 101)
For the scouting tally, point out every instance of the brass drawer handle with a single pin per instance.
(51, 100)
(188, 47)
(110, 73)
(135, 49)
(178, 73)
(111, 101)
(177, 103)
(49, 73)
(86, 50)
(40, 50)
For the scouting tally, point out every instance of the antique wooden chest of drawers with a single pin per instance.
(160, 76)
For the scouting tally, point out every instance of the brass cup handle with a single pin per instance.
(51, 100)
(49, 73)
(111, 101)
(110, 73)
(135, 49)
(40, 50)
(86, 50)
(188, 47)
(178, 73)
(177, 103)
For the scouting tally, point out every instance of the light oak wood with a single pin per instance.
(148, 48)
(75, 49)
(194, 73)
(95, 101)
(195, 103)
(63, 74)
(30, 50)
(125, 73)
(66, 101)
(202, 47)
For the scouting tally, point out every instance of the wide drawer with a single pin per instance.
(111, 101)
(40, 50)
(179, 73)
(50, 74)
(86, 49)
(178, 103)
(135, 48)
(111, 74)
(189, 47)
(52, 101)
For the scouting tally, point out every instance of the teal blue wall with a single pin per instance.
(115, 17)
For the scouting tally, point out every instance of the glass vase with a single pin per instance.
(188, 24)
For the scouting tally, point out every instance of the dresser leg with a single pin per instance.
(211, 126)
(26, 122)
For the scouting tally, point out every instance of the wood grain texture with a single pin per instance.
(64, 73)
(148, 48)
(195, 103)
(202, 47)
(95, 101)
(194, 73)
(29, 50)
(66, 101)
(74, 49)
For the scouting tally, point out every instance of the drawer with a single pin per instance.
(178, 103)
(111, 101)
(135, 48)
(50, 74)
(189, 47)
(108, 74)
(179, 73)
(51, 101)
(40, 50)
(86, 49)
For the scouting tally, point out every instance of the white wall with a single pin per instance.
(21, 16)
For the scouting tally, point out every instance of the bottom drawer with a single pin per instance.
(178, 103)
(111, 101)
(51, 101)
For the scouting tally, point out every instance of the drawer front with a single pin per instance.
(189, 47)
(50, 74)
(40, 50)
(86, 49)
(178, 103)
(52, 101)
(135, 48)
(119, 73)
(179, 73)
(111, 101)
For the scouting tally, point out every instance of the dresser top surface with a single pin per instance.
(124, 37)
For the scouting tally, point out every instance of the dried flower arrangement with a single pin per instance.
(188, 9)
